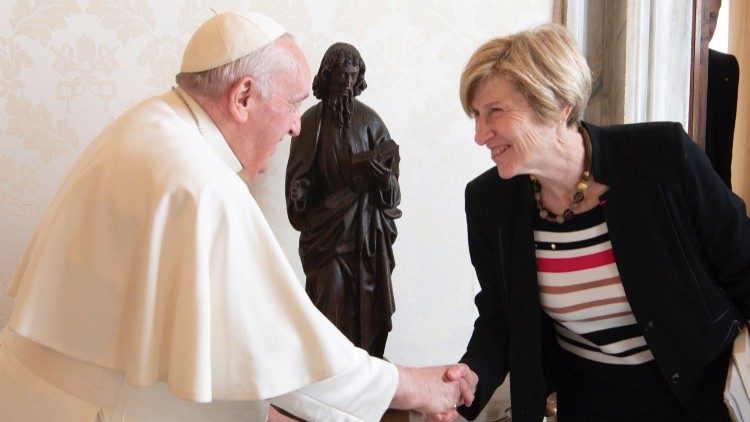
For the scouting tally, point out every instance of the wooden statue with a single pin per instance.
(342, 195)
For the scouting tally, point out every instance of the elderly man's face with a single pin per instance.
(275, 116)
(343, 78)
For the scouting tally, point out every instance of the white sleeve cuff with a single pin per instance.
(362, 392)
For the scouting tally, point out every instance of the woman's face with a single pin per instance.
(509, 128)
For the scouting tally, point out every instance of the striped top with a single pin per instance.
(580, 289)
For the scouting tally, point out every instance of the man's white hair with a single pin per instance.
(263, 65)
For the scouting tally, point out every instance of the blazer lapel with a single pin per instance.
(518, 267)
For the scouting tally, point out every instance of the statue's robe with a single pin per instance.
(346, 221)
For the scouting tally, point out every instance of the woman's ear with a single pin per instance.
(242, 96)
(565, 113)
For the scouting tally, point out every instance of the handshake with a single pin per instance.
(435, 391)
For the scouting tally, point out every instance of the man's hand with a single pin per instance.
(430, 390)
(441, 417)
(467, 382)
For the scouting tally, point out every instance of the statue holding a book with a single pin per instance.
(342, 195)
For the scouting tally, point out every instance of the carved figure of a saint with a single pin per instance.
(342, 195)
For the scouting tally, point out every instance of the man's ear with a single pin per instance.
(242, 98)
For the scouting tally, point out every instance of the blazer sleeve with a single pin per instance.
(487, 351)
(720, 222)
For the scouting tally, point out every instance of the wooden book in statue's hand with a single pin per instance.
(383, 153)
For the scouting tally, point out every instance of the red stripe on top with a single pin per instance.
(584, 262)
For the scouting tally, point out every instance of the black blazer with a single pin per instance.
(681, 241)
(721, 111)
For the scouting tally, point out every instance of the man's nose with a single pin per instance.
(296, 126)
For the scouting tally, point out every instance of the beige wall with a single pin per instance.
(69, 67)
(739, 45)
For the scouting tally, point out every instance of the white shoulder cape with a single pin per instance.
(155, 260)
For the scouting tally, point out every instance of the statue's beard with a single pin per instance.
(340, 105)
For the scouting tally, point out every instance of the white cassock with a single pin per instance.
(154, 272)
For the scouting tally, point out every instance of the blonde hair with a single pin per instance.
(543, 63)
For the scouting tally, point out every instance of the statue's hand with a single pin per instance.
(298, 189)
(381, 174)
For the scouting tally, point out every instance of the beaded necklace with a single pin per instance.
(581, 186)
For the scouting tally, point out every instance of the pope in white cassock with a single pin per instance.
(154, 289)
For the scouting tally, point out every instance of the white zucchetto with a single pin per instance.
(227, 37)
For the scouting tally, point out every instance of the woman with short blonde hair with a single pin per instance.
(544, 63)
(614, 264)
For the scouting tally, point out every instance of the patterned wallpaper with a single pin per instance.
(70, 66)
